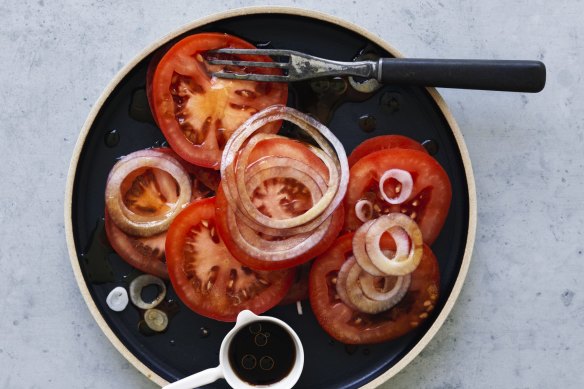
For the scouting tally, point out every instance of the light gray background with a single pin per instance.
(519, 320)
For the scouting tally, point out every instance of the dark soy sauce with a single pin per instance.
(262, 353)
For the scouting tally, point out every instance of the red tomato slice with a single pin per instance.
(431, 195)
(197, 113)
(354, 327)
(145, 254)
(221, 217)
(205, 275)
(383, 142)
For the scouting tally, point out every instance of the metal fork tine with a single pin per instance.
(252, 77)
(274, 52)
(256, 64)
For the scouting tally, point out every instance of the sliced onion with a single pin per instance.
(117, 299)
(140, 283)
(341, 284)
(360, 252)
(143, 225)
(356, 288)
(406, 184)
(360, 211)
(366, 304)
(255, 246)
(156, 319)
(404, 261)
(394, 295)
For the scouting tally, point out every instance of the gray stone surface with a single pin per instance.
(519, 320)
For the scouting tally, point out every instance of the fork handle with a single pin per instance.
(496, 75)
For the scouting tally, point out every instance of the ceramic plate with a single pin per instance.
(120, 123)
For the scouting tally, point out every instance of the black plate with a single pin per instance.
(182, 350)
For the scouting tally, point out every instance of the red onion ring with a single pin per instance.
(406, 260)
(406, 185)
(129, 221)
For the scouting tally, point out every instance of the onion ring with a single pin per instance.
(360, 212)
(131, 222)
(405, 189)
(401, 264)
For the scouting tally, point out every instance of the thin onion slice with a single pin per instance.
(142, 225)
(393, 295)
(117, 299)
(259, 248)
(406, 184)
(156, 319)
(361, 210)
(360, 252)
(401, 264)
(357, 289)
(341, 284)
(142, 281)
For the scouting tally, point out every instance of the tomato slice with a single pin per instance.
(428, 203)
(205, 275)
(354, 327)
(383, 142)
(145, 254)
(198, 113)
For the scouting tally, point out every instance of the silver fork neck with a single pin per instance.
(366, 69)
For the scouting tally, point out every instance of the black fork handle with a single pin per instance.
(496, 75)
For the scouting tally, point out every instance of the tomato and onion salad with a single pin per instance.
(196, 112)
(279, 203)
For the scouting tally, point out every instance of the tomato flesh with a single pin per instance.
(427, 205)
(149, 191)
(353, 327)
(205, 275)
(198, 113)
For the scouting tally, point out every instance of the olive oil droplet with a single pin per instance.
(112, 138)
(367, 123)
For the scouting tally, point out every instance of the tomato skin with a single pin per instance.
(221, 217)
(430, 182)
(383, 142)
(213, 300)
(352, 327)
(211, 115)
(145, 254)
